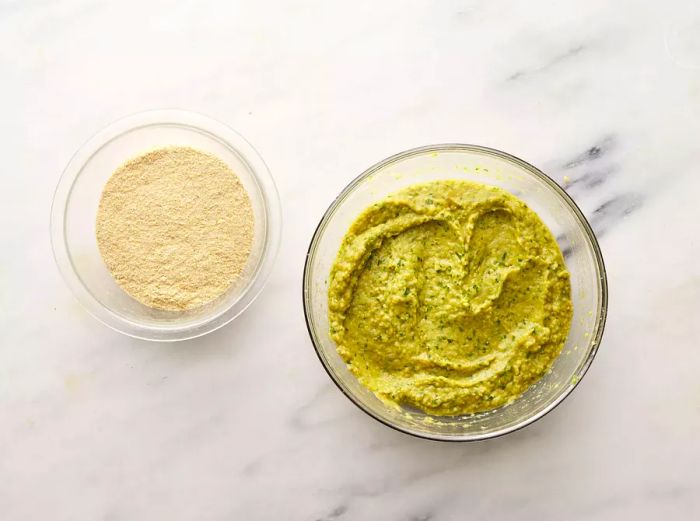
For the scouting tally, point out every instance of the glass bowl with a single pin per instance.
(555, 208)
(74, 212)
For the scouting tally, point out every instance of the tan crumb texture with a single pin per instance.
(175, 227)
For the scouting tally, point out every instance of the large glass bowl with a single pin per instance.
(556, 209)
(74, 212)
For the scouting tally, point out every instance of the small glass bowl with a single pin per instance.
(77, 198)
(562, 216)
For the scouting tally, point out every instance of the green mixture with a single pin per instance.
(451, 297)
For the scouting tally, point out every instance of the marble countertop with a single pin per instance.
(244, 423)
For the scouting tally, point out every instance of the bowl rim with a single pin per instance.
(590, 235)
(215, 130)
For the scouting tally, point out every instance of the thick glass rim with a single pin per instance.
(590, 236)
(213, 129)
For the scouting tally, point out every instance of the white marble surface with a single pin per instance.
(244, 423)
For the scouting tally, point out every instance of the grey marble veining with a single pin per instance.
(551, 62)
(244, 423)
